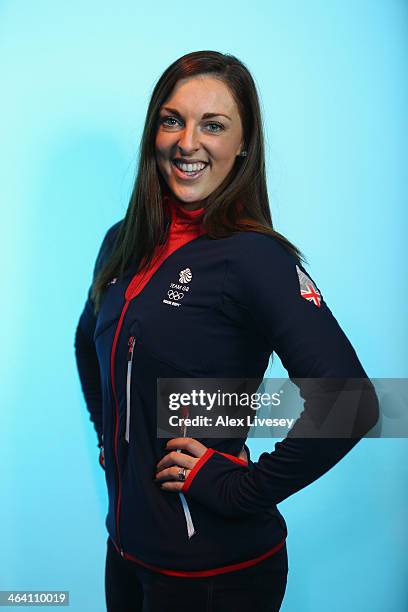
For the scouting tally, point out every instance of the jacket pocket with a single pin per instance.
(152, 368)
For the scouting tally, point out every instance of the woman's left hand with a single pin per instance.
(169, 465)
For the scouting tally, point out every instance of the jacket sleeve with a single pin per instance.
(289, 313)
(85, 352)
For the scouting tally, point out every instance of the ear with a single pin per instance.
(240, 148)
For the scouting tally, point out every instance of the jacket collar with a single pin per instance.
(180, 215)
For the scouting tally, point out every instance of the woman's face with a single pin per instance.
(200, 123)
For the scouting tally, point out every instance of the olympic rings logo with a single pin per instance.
(175, 295)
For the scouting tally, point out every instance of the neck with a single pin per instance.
(194, 205)
(189, 205)
(181, 216)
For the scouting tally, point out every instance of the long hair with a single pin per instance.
(146, 224)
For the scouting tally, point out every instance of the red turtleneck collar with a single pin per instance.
(179, 214)
(185, 225)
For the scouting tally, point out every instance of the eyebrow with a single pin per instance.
(205, 116)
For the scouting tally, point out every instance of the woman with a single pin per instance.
(195, 282)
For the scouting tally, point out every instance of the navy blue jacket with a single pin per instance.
(243, 304)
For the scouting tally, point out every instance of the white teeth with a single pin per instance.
(190, 167)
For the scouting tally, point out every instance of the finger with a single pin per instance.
(170, 474)
(172, 486)
(175, 458)
(191, 445)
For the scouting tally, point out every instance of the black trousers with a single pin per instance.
(130, 587)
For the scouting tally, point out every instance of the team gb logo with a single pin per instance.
(177, 291)
(185, 276)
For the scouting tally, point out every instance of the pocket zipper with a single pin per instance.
(190, 527)
(131, 344)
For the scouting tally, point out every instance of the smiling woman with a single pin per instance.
(195, 282)
(194, 153)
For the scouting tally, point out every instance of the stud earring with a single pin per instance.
(243, 154)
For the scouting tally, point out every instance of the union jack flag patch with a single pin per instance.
(308, 289)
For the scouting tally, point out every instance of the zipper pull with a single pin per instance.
(184, 414)
(190, 527)
(131, 345)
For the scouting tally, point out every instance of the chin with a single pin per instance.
(187, 195)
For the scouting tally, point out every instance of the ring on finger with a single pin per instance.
(182, 474)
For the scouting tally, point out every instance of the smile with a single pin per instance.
(189, 171)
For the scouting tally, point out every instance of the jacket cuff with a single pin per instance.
(214, 482)
(187, 483)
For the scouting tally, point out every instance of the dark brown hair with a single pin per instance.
(145, 224)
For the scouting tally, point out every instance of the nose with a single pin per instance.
(188, 140)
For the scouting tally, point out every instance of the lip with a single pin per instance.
(189, 161)
(185, 177)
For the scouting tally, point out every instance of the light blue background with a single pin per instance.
(76, 79)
